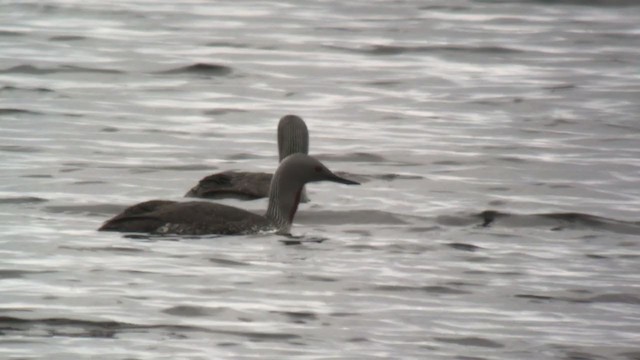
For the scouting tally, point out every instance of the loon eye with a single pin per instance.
(318, 169)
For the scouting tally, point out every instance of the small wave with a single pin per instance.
(464, 247)
(381, 50)
(18, 148)
(22, 200)
(191, 311)
(620, 298)
(67, 38)
(14, 88)
(434, 289)
(201, 69)
(113, 249)
(227, 262)
(580, 2)
(14, 111)
(553, 221)
(33, 70)
(7, 33)
(17, 274)
(471, 341)
(297, 316)
(80, 328)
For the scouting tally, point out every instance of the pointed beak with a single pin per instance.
(335, 178)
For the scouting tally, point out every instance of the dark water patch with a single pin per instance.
(8, 33)
(17, 274)
(111, 249)
(293, 240)
(511, 159)
(227, 262)
(298, 316)
(358, 232)
(580, 355)
(493, 273)
(50, 327)
(19, 149)
(22, 200)
(613, 3)
(558, 221)
(471, 341)
(560, 87)
(223, 111)
(535, 298)
(200, 69)
(13, 88)
(14, 111)
(89, 182)
(238, 45)
(33, 70)
(422, 229)
(38, 176)
(67, 38)
(432, 289)
(109, 129)
(166, 131)
(447, 163)
(391, 177)
(358, 339)
(384, 50)
(596, 256)
(619, 298)
(629, 256)
(191, 311)
(458, 220)
(320, 278)
(349, 217)
(362, 247)
(385, 83)
(464, 247)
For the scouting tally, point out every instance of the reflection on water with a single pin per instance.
(496, 142)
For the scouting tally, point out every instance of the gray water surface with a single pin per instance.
(498, 144)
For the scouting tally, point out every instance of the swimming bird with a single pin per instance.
(199, 217)
(293, 137)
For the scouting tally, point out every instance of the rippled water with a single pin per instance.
(498, 141)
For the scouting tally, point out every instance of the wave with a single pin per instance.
(50, 327)
(381, 50)
(554, 221)
(22, 200)
(575, 2)
(14, 88)
(14, 111)
(34, 70)
(200, 69)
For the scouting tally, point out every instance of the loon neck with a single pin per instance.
(293, 136)
(283, 203)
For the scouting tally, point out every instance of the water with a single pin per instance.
(499, 141)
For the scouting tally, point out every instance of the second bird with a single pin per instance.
(293, 137)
